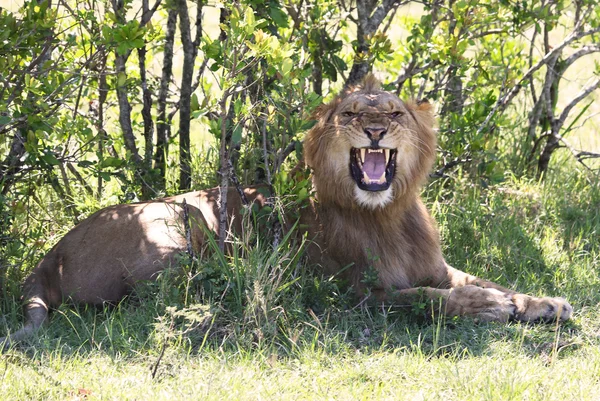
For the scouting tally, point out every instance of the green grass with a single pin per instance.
(263, 327)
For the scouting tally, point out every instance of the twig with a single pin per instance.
(265, 150)
(440, 173)
(283, 154)
(236, 182)
(188, 231)
(162, 351)
(580, 156)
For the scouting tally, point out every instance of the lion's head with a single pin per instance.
(369, 148)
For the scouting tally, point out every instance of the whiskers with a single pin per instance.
(416, 142)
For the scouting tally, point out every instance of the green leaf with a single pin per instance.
(279, 17)
(213, 50)
(121, 79)
(122, 48)
(85, 163)
(249, 18)
(105, 176)
(49, 158)
(137, 43)
(286, 66)
(236, 136)
(194, 104)
(302, 194)
(111, 162)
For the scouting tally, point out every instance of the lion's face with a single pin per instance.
(369, 148)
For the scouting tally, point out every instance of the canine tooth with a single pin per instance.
(362, 154)
(387, 154)
(366, 178)
(382, 178)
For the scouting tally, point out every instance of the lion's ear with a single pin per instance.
(323, 113)
(422, 111)
(423, 104)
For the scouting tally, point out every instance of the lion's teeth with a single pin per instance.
(363, 151)
(382, 178)
(366, 178)
(387, 154)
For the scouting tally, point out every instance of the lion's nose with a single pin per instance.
(375, 134)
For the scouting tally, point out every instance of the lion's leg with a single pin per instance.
(40, 293)
(526, 308)
(487, 304)
(36, 312)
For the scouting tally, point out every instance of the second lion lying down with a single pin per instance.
(369, 153)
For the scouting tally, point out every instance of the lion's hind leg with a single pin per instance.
(40, 293)
(36, 312)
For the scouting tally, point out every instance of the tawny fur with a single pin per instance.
(353, 231)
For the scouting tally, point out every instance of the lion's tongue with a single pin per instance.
(374, 165)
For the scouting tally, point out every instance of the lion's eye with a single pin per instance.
(349, 114)
(396, 114)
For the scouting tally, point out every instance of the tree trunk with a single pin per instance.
(369, 19)
(125, 111)
(162, 125)
(224, 173)
(190, 51)
(147, 190)
(361, 65)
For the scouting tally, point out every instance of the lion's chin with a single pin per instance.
(373, 200)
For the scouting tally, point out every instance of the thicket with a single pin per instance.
(106, 101)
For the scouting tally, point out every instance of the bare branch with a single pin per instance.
(265, 149)
(487, 33)
(381, 12)
(283, 154)
(163, 125)
(411, 71)
(440, 173)
(580, 156)
(148, 13)
(584, 51)
(574, 36)
(582, 95)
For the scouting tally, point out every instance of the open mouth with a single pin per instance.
(373, 169)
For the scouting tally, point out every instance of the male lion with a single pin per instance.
(369, 153)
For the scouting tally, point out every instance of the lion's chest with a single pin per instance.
(388, 253)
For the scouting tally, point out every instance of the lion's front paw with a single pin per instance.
(531, 309)
(485, 304)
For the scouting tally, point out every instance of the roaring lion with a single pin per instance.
(369, 153)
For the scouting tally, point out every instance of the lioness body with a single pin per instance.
(106, 254)
(369, 153)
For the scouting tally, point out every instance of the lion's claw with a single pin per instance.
(531, 309)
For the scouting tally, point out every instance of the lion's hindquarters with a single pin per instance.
(119, 247)
(102, 257)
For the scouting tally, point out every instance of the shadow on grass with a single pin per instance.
(141, 328)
